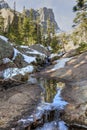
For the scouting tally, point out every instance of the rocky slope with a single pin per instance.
(18, 91)
(74, 74)
(19, 60)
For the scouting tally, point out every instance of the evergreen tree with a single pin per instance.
(31, 15)
(20, 28)
(63, 41)
(13, 33)
(38, 28)
(25, 30)
(54, 44)
(81, 19)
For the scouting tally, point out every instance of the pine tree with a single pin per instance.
(38, 28)
(31, 15)
(54, 44)
(20, 29)
(81, 18)
(13, 33)
(25, 30)
(81, 9)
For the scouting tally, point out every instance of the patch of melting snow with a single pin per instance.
(27, 59)
(60, 63)
(32, 51)
(16, 52)
(32, 80)
(4, 38)
(10, 72)
(24, 46)
(56, 54)
(53, 55)
(35, 52)
(6, 60)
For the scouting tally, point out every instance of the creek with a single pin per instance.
(47, 115)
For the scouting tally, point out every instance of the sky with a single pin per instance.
(62, 9)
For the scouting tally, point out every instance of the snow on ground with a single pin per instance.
(49, 48)
(10, 72)
(55, 54)
(24, 46)
(60, 63)
(16, 52)
(35, 52)
(4, 38)
(6, 60)
(32, 51)
(27, 59)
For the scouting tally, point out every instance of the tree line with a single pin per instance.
(25, 30)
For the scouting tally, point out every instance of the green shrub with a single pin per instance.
(82, 47)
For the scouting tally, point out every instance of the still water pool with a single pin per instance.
(51, 98)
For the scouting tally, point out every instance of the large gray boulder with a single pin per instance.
(6, 50)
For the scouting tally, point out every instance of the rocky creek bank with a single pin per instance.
(19, 95)
(19, 98)
(74, 74)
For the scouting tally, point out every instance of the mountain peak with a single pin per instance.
(3, 4)
(44, 14)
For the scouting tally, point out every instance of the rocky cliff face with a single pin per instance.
(43, 14)
(8, 16)
(3, 4)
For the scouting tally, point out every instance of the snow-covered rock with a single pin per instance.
(40, 48)
(4, 38)
(10, 72)
(19, 60)
(60, 63)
